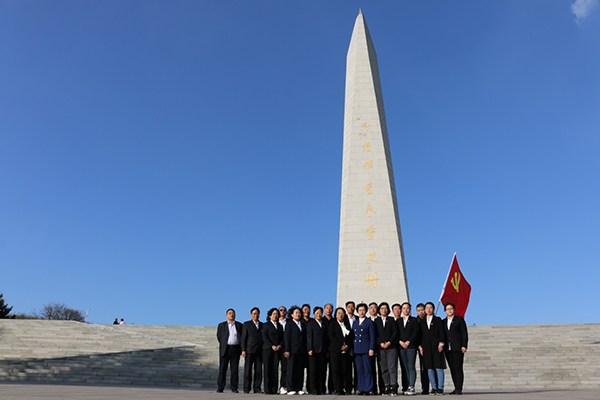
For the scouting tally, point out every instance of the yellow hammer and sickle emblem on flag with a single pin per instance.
(455, 281)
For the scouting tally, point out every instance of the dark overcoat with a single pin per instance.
(431, 337)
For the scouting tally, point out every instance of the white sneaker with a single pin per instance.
(282, 391)
(410, 392)
(291, 393)
(300, 392)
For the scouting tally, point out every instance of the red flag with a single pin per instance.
(456, 289)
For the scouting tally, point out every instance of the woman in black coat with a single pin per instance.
(272, 335)
(317, 343)
(340, 352)
(433, 339)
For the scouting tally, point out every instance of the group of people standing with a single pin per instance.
(360, 351)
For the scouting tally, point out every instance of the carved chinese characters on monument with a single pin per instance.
(368, 165)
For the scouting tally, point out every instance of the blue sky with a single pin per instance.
(163, 161)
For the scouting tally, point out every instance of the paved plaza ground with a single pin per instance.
(31, 391)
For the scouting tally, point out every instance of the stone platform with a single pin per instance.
(515, 358)
(32, 391)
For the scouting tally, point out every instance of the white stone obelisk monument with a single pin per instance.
(371, 257)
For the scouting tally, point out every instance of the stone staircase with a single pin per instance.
(532, 357)
(72, 352)
(499, 357)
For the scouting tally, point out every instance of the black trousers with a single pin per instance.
(317, 368)
(284, 362)
(377, 376)
(330, 385)
(231, 357)
(270, 370)
(295, 372)
(252, 364)
(456, 361)
(341, 371)
(355, 375)
(423, 373)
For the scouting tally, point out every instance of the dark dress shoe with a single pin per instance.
(234, 391)
(219, 390)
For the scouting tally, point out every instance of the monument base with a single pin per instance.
(511, 357)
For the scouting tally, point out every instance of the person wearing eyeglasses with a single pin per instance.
(458, 338)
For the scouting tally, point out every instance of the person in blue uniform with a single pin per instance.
(364, 348)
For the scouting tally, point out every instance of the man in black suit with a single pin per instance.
(327, 319)
(305, 320)
(294, 339)
(458, 338)
(373, 314)
(351, 317)
(397, 314)
(252, 351)
(229, 334)
(422, 371)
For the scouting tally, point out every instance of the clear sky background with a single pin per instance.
(161, 161)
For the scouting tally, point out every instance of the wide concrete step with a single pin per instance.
(499, 357)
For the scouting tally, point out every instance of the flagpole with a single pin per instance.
(445, 281)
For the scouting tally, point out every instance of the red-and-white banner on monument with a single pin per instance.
(456, 289)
